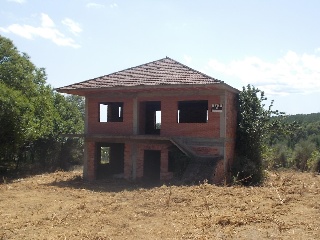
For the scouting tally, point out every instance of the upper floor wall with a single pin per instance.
(186, 114)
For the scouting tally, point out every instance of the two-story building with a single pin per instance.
(135, 116)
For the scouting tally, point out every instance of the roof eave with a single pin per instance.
(137, 87)
(87, 91)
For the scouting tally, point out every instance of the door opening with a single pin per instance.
(151, 165)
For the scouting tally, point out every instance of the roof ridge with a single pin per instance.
(126, 69)
(195, 70)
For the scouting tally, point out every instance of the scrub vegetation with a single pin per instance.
(269, 139)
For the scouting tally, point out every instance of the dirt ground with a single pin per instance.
(62, 206)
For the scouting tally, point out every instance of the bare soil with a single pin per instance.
(63, 206)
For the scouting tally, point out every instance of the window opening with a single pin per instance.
(104, 155)
(192, 111)
(158, 120)
(111, 112)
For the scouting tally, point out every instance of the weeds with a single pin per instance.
(168, 200)
(177, 212)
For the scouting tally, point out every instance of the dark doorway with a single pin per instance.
(110, 158)
(151, 165)
(152, 119)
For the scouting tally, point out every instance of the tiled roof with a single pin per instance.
(165, 71)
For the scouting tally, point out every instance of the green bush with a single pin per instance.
(313, 163)
(302, 152)
(246, 171)
(277, 156)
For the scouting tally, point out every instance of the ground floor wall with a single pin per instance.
(136, 164)
(134, 160)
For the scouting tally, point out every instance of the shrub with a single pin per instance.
(302, 152)
(313, 163)
(277, 156)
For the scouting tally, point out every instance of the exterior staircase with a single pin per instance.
(201, 167)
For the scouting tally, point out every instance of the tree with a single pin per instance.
(255, 125)
(25, 101)
(32, 115)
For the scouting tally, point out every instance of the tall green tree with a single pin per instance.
(25, 101)
(255, 126)
(32, 115)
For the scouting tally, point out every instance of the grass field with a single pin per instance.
(62, 206)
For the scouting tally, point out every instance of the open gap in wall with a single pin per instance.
(151, 165)
(110, 159)
(111, 112)
(192, 111)
(152, 117)
(158, 120)
(104, 155)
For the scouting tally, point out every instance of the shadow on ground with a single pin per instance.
(110, 184)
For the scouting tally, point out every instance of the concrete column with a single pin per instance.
(223, 129)
(91, 161)
(164, 161)
(85, 160)
(134, 155)
(86, 156)
(135, 117)
(223, 116)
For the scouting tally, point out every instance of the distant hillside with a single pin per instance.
(304, 118)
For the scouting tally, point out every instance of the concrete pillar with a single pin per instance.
(223, 129)
(134, 155)
(91, 161)
(135, 117)
(164, 160)
(127, 161)
(223, 116)
(86, 157)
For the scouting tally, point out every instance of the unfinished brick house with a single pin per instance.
(135, 117)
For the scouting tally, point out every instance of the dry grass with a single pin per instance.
(62, 206)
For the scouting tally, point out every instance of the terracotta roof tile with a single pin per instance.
(165, 71)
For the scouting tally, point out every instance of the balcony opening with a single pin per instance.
(150, 117)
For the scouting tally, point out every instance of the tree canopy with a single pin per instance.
(31, 111)
(268, 138)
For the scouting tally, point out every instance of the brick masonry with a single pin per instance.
(134, 151)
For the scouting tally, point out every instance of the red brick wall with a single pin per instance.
(219, 176)
(231, 115)
(170, 126)
(91, 161)
(206, 151)
(117, 128)
(164, 174)
(128, 150)
(128, 161)
(231, 126)
(169, 111)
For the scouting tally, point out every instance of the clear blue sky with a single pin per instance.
(271, 44)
